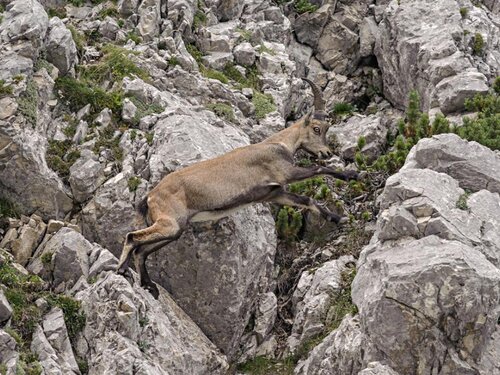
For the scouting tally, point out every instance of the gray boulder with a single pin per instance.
(68, 252)
(395, 291)
(28, 239)
(312, 299)
(121, 316)
(343, 351)
(24, 20)
(51, 344)
(433, 59)
(5, 309)
(86, 175)
(61, 49)
(9, 355)
(372, 128)
(475, 167)
(149, 19)
(377, 368)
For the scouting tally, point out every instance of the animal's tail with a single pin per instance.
(142, 207)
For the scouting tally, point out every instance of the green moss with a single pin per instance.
(107, 140)
(133, 183)
(28, 103)
(222, 110)
(303, 6)
(478, 45)
(76, 3)
(83, 365)
(463, 12)
(264, 104)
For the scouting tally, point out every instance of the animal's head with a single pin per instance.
(314, 127)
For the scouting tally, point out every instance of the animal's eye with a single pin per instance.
(317, 130)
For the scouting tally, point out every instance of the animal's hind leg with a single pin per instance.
(162, 229)
(140, 256)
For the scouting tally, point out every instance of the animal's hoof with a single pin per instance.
(152, 289)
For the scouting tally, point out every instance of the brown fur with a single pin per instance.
(214, 188)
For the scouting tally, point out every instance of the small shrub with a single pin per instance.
(462, 201)
(144, 109)
(288, 224)
(74, 318)
(213, 74)
(78, 38)
(133, 183)
(78, 93)
(478, 45)
(263, 49)
(149, 138)
(5, 90)
(28, 103)
(60, 156)
(266, 366)
(304, 6)
(77, 3)
(263, 103)
(343, 109)
(46, 259)
(143, 346)
(245, 35)
(132, 35)
(173, 61)
(199, 19)
(222, 110)
(463, 12)
(109, 12)
(83, 365)
(59, 12)
(195, 52)
(115, 65)
(7, 208)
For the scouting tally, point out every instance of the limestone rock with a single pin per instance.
(52, 345)
(341, 352)
(9, 356)
(433, 60)
(69, 261)
(119, 315)
(86, 175)
(474, 166)
(244, 54)
(396, 291)
(5, 309)
(312, 299)
(61, 49)
(377, 368)
(348, 133)
(24, 19)
(29, 238)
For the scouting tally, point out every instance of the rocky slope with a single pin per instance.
(100, 99)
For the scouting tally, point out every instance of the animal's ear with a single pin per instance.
(307, 119)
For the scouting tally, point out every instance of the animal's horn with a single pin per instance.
(319, 102)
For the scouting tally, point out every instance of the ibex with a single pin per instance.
(213, 189)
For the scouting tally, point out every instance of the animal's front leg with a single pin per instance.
(290, 199)
(299, 173)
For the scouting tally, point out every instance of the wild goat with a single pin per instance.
(212, 189)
